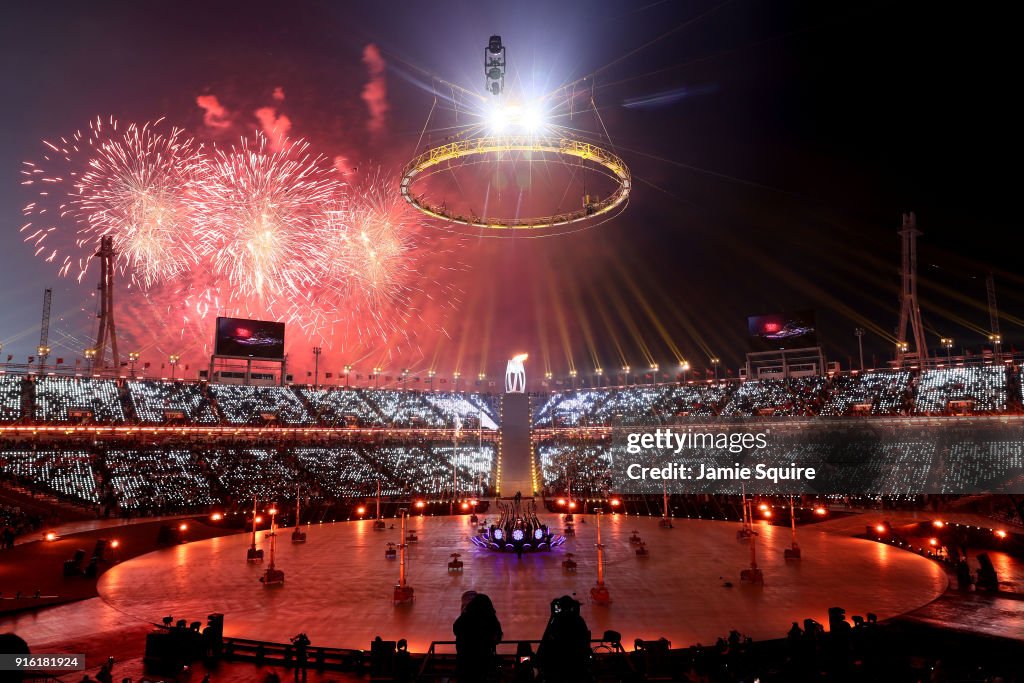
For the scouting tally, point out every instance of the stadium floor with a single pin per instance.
(338, 585)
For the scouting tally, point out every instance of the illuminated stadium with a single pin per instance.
(610, 354)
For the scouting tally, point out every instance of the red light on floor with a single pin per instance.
(820, 511)
(360, 510)
(1000, 533)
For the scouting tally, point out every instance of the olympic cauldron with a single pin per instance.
(517, 530)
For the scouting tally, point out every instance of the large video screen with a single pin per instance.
(249, 338)
(776, 331)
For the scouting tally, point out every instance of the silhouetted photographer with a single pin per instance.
(477, 633)
(564, 652)
(301, 643)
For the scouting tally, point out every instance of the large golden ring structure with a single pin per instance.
(479, 146)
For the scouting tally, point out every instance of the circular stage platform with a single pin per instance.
(338, 586)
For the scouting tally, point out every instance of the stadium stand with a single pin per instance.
(979, 388)
(156, 479)
(64, 473)
(66, 399)
(793, 396)
(877, 393)
(10, 398)
(251, 405)
(160, 402)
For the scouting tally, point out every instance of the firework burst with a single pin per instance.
(128, 183)
(259, 210)
(243, 230)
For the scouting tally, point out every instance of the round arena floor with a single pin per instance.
(338, 585)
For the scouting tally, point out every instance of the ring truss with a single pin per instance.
(479, 146)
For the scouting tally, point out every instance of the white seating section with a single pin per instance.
(153, 400)
(157, 480)
(66, 473)
(985, 386)
(250, 405)
(58, 397)
(10, 398)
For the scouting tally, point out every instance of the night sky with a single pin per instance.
(774, 146)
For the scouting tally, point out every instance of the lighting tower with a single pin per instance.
(993, 317)
(44, 328)
(106, 333)
(910, 311)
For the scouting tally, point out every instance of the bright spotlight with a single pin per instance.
(499, 119)
(533, 119)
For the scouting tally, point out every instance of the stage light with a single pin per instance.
(259, 520)
(880, 528)
(938, 524)
(272, 511)
(767, 513)
(465, 506)
(216, 516)
(183, 527)
(498, 119)
(1000, 533)
(933, 541)
(115, 543)
(561, 501)
(473, 502)
(420, 504)
(360, 510)
(820, 511)
(572, 505)
(615, 502)
(50, 536)
(533, 118)
(762, 507)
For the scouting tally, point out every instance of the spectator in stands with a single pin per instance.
(477, 633)
(564, 652)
